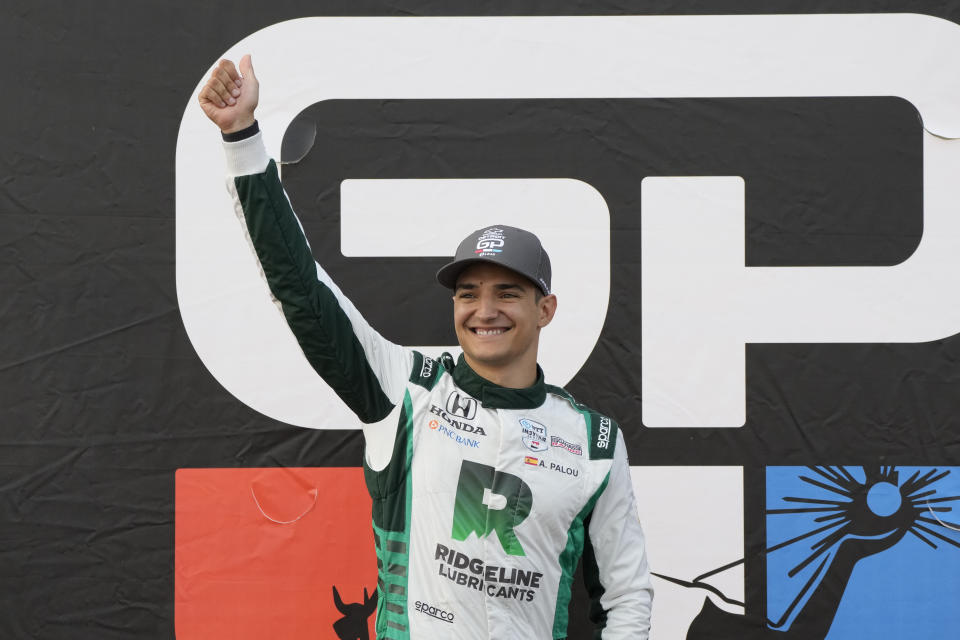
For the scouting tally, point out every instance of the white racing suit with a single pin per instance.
(491, 495)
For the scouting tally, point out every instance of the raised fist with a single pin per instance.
(229, 98)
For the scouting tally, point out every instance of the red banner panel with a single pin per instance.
(274, 553)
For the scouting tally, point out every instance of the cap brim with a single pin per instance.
(448, 273)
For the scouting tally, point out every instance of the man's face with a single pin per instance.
(497, 316)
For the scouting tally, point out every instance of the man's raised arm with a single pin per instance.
(368, 372)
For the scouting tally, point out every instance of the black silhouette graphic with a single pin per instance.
(867, 518)
(353, 624)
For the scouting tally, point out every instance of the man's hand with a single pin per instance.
(229, 98)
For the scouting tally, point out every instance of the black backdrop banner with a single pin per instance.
(104, 398)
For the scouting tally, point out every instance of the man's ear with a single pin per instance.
(548, 307)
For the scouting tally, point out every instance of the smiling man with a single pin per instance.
(500, 278)
(491, 485)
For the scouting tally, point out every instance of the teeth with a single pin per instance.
(489, 332)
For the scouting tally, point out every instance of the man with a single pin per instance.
(492, 484)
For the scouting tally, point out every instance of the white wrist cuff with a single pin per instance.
(246, 157)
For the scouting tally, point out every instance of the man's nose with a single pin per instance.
(488, 307)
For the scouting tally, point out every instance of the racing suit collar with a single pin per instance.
(492, 395)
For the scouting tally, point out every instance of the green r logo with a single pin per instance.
(490, 500)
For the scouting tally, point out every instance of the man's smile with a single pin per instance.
(489, 331)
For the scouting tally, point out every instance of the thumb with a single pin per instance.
(246, 68)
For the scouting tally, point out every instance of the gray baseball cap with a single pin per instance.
(513, 248)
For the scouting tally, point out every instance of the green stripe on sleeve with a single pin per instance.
(591, 579)
(391, 490)
(568, 561)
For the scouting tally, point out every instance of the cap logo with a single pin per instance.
(489, 243)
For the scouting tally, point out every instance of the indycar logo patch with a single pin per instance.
(534, 435)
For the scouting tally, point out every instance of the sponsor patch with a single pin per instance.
(460, 425)
(461, 405)
(462, 440)
(433, 612)
(426, 370)
(509, 583)
(575, 449)
(534, 435)
(603, 439)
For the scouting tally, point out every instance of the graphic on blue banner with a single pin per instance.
(863, 552)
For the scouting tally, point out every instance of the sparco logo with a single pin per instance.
(427, 369)
(461, 405)
(430, 610)
(603, 439)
